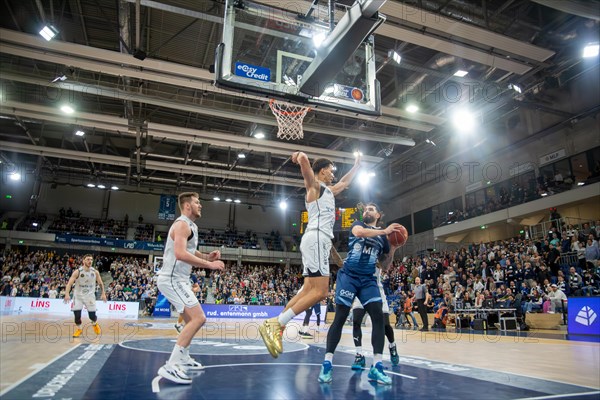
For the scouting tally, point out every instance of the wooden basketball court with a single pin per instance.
(40, 359)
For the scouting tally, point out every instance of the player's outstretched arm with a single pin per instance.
(301, 159)
(345, 181)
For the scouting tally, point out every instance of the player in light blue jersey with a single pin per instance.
(367, 245)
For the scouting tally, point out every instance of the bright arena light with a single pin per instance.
(67, 109)
(216, 198)
(283, 205)
(365, 177)
(319, 38)
(15, 176)
(412, 108)
(48, 32)
(113, 187)
(464, 121)
(259, 135)
(591, 50)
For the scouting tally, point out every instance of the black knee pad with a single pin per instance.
(77, 314)
(92, 315)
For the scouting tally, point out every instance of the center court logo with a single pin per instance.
(586, 316)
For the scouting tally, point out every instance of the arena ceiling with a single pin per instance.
(160, 124)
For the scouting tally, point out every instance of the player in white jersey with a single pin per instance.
(358, 313)
(84, 280)
(174, 283)
(315, 245)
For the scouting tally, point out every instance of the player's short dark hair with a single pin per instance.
(321, 163)
(186, 197)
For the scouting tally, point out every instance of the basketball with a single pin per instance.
(398, 238)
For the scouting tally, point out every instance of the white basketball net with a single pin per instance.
(289, 118)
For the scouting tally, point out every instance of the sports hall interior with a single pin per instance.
(485, 146)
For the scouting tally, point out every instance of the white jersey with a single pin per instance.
(85, 284)
(172, 267)
(321, 212)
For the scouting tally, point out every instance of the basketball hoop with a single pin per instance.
(289, 119)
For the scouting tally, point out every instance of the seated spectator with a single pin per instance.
(556, 297)
(534, 303)
(575, 282)
(590, 284)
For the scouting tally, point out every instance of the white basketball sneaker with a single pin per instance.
(191, 364)
(174, 373)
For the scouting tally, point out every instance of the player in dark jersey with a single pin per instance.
(368, 244)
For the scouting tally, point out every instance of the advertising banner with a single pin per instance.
(116, 243)
(32, 305)
(162, 307)
(584, 318)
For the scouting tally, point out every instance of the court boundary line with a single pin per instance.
(312, 364)
(504, 372)
(122, 344)
(558, 396)
(20, 381)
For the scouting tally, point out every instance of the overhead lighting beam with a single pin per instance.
(120, 125)
(151, 165)
(118, 64)
(467, 53)
(422, 17)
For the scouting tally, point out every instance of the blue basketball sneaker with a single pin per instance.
(376, 374)
(359, 362)
(325, 376)
(394, 356)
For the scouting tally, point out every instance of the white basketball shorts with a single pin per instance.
(315, 248)
(88, 301)
(177, 291)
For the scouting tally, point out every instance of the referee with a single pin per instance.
(423, 297)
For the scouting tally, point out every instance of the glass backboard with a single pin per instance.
(266, 50)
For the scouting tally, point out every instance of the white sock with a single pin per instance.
(392, 345)
(186, 352)
(176, 355)
(286, 317)
(304, 328)
(359, 350)
(329, 357)
(377, 358)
